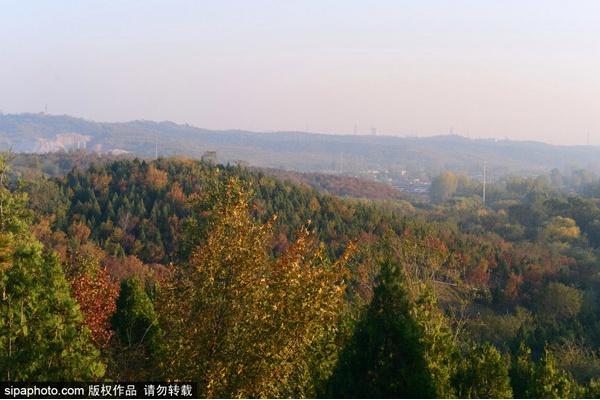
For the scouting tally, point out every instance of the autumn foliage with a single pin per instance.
(245, 325)
(258, 287)
(96, 295)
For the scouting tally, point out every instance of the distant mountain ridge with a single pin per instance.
(300, 151)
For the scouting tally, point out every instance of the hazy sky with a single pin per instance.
(517, 69)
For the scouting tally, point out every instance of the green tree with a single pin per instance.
(550, 382)
(42, 336)
(389, 354)
(140, 338)
(560, 229)
(521, 372)
(558, 303)
(541, 380)
(443, 186)
(483, 373)
(592, 390)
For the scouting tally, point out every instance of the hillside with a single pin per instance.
(140, 245)
(340, 185)
(298, 151)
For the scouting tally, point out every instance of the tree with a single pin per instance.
(138, 334)
(443, 186)
(483, 374)
(550, 382)
(593, 389)
(560, 229)
(242, 323)
(156, 178)
(392, 352)
(96, 295)
(559, 302)
(521, 371)
(541, 380)
(42, 335)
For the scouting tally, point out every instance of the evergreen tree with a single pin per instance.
(592, 391)
(138, 333)
(483, 374)
(387, 356)
(42, 336)
(551, 382)
(522, 371)
(542, 379)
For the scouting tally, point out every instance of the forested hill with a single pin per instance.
(298, 151)
(182, 270)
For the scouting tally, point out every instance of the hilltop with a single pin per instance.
(298, 151)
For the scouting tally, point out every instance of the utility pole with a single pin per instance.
(484, 180)
(156, 146)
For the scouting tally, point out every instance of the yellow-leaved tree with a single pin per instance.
(243, 323)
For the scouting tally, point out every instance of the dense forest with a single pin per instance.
(261, 286)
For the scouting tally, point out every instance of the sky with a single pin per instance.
(525, 70)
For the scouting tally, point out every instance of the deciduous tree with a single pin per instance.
(241, 323)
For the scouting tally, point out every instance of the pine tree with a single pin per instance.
(522, 371)
(42, 335)
(138, 333)
(483, 373)
(551, 382)
(387, 356)
(542, 379)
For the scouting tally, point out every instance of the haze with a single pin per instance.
(526, 70)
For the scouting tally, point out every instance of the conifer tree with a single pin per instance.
(542, 379)
(138, 334)
(483, 373)
(386, 357)
(549, 381)
(42, 335)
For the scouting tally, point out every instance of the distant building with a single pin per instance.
(209, 157)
